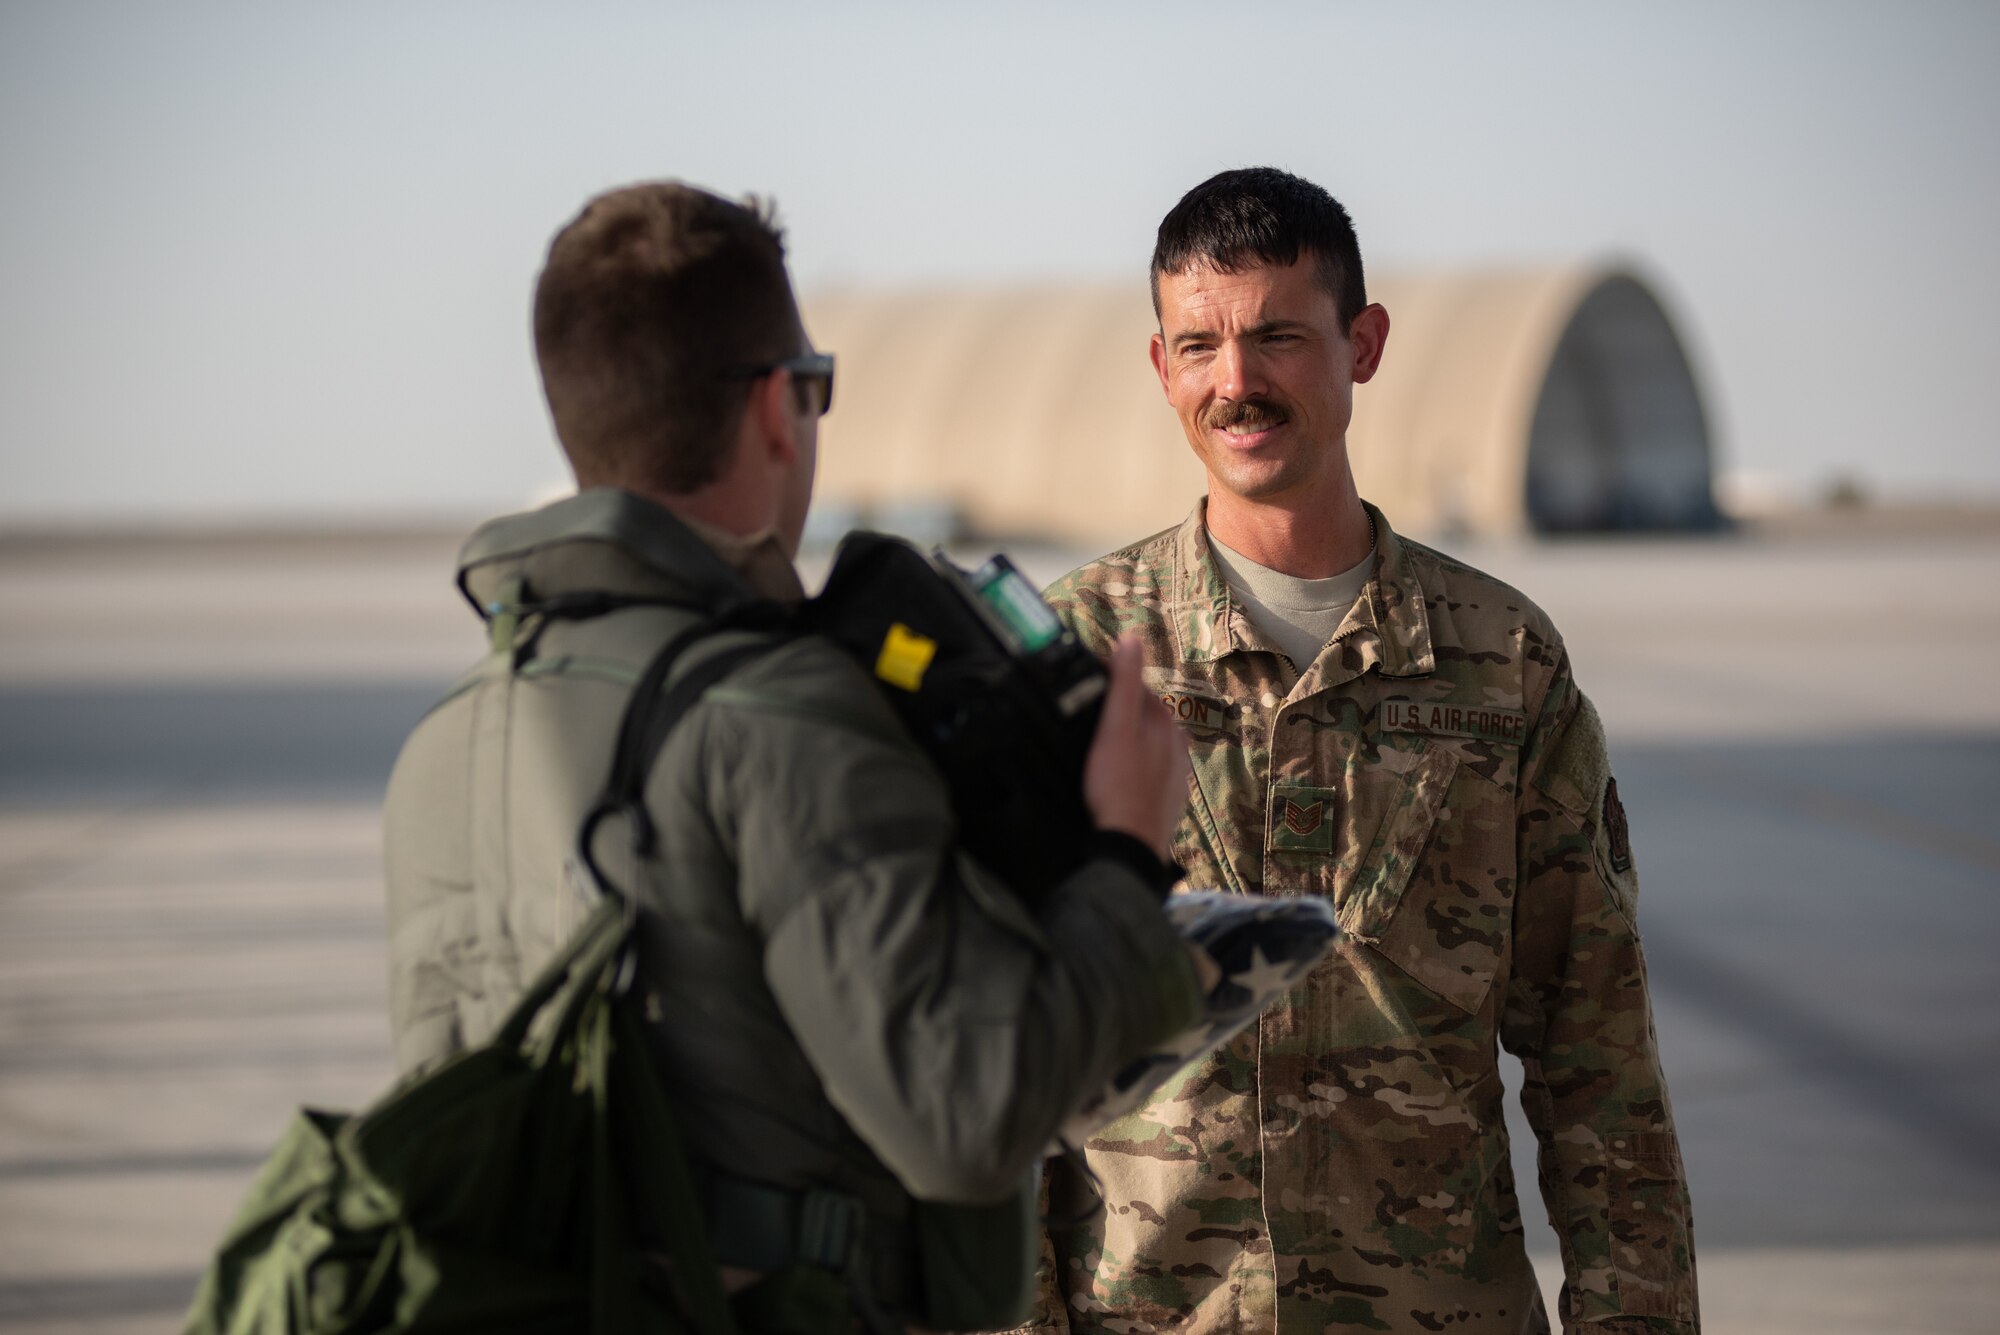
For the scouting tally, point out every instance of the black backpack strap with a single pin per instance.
(516, 619)
(665, 1210)
(651, 713)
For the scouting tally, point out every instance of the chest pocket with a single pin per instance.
(1450, 862)
(1208, 840)
(1408, 801)
(1417, 844)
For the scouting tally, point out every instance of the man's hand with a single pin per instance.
(1135, 778)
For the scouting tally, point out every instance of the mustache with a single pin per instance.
(1256, 411)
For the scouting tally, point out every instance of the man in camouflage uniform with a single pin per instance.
(1434, 770)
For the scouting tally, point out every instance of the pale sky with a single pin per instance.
(275, 259)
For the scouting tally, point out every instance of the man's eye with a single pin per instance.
(1281, 338)
(1196, 349)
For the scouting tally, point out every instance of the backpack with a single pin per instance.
(535, 1183)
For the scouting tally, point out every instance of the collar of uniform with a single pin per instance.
(609, 541)
(1389, 616)
(1387, 629)
(1199, 607)
(760, 559)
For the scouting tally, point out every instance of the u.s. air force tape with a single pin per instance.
(1484, 723)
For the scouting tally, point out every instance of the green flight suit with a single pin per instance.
(841, 999)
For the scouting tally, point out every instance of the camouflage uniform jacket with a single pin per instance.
(1437, 774)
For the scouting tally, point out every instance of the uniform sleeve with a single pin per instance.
(952, 1028)
(1082, 606)
(1579, 1017)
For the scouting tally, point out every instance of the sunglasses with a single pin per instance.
(808, 368)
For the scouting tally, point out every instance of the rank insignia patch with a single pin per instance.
(1615, 833)
(1302, 819)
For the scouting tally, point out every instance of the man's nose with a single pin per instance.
(1238, 372)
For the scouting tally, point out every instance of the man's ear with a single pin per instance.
(1158, 351)
(772, 411)
(1369, 335)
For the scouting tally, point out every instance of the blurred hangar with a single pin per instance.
(1514, 402)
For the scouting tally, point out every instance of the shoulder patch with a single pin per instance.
(1617, 836)
(1577, 777)
(1574, 774)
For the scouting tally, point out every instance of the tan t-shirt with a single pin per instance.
(1299, 615)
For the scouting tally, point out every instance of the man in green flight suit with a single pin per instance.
(867, 1039)
(1373, 722)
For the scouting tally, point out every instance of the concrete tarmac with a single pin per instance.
(194, 738)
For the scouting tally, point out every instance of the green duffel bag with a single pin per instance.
(533, 1184)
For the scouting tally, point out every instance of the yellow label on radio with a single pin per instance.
(905, 656)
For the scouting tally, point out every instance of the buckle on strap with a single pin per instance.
(830, 1225)
(766, 1227)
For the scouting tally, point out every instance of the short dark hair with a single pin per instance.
(648, 297)
(1260, 215)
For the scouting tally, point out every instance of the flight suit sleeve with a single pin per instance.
(952, 1028)
(1579, 1017)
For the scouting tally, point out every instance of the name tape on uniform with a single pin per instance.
(1201, 715)
(1484, 723)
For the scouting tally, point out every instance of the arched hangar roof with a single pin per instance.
(1548, 399)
